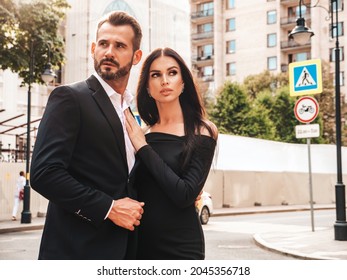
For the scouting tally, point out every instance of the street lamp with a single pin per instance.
(47, 76)
(340, 226)
(301, 33)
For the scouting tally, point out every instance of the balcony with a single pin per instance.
(292, 45)
(201, 14)
(207, 78)
(202, 61)
(197, 58)
(202, 35)
(287, 21)
(284, 68)
(292, 2)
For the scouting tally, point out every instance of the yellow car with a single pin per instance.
(204, 207)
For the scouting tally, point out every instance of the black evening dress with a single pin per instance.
(170, 228)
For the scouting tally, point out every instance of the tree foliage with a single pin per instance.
(231, 109)
(261, 107)
(29, 29)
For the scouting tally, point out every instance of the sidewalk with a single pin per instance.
(301, 243)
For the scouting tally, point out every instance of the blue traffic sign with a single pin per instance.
(305, 77)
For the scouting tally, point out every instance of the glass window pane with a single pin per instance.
(208, 71)
(301, 56)
(207, 50)
(231, 68)
(272, 63)
(231, 46)
(230, 4)
(271, 17)
(271, 40)
(231, 24)
(337, 5)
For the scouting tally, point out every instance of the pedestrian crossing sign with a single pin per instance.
(305, 77)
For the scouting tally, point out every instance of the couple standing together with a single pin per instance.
(114, 191)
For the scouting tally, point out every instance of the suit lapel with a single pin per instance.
(109, 112)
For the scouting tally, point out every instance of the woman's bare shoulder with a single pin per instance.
(213, 128)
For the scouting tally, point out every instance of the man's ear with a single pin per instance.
(137, 57)
(92, 48)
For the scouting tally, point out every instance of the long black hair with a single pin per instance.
(190, 101)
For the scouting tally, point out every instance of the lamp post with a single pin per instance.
(47, 76)
(340, 226)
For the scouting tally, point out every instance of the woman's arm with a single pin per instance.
(183, 190)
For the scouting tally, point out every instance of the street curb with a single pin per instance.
(258, 211)
(267, 246)
(20, 228)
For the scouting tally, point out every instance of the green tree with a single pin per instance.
(265, 81)
(260, 110)
(258, 124)
(234, 114)
(231, 108)
(29, 29)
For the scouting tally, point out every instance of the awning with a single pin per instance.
(15, 124)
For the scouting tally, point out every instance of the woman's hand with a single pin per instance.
(134, 131)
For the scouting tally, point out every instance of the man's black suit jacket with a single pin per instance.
(79, 164)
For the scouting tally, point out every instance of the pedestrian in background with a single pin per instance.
(18, 194)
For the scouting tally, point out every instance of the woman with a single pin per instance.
(175, 157)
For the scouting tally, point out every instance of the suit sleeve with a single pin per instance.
(52, 154)
(184, 189)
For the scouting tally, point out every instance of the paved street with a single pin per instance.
(227, 237)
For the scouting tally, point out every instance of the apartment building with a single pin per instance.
(231, 39)
(164, 23)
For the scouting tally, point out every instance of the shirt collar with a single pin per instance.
(127, 96)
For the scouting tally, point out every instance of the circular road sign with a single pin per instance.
(306, 109)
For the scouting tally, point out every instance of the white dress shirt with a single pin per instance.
(121, 103)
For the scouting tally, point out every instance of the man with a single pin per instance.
(83, 158)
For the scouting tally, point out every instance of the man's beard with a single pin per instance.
(107, 74)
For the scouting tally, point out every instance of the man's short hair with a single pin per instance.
(121, 18)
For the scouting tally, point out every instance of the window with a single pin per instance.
(231, 46)
(342, 79)
(272, 63)
(271, 17)
(337, 6)
(205, 51)
(231, 24)
(303, 11)
(207, 27)
(231, 68)
(301, 56)
(338, 30)
(206, 9)
(230, 4)
(294, 12)
(332, 54)
(271, 40)
(206, 73)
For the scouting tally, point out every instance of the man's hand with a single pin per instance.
(126, 213)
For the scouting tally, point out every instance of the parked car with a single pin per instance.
(204, 207)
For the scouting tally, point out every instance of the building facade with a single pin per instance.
(232, 39)
(164, 23)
